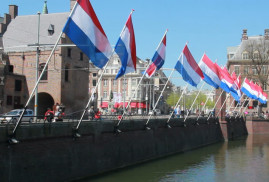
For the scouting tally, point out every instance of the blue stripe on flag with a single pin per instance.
(123, 54)
(208, 80)
(82, 41)
(179, 67)
(157, 60)
(245, 91)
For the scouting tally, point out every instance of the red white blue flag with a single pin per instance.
(188, 68)
(85, 30)
(209, 69)
(126, 49)
(158, 58)
(246, 89)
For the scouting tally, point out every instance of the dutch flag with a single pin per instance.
(188, 68)
(85, 30)
(158, 58)
(126, 49)
(210, 72)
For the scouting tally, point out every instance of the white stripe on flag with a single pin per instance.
(192, 74)
(85, 23)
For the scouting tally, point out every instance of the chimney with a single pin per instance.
(13, 11)
(244, 35)
(7, 19)
(266, 34)
(72, 4)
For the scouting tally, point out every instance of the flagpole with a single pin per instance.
(205, 103)
(76, 134)
(194, 101)
(117, 125)
(245, 107)
(241, 107)
(159, 97)
(223, 104)
(215, 104)
(237, 104)
(177, 103)
(12, 139)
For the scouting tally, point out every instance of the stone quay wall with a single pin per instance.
(48, 152)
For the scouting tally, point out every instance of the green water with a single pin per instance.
(245, 159)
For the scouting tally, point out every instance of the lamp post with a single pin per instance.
(37, 68)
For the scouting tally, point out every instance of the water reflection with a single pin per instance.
(245, 159)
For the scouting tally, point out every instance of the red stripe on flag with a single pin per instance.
(129, 25)
(192, 61)
(87, 7)
(210, 64)
(164, 40)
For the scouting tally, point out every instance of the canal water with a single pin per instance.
(244, 159)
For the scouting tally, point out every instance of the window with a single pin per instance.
(246, 70)
(105, 82)
(93, 82)
(94, 74)
(235, 103)
(105, 95)
(231, 56)
(264, 86)
(18, 85)
(81, 56)
(236, 70)
(51, 30)
(264, 105)
(10, 68)
(264, 70)
(69, 50)
(66, 74)
(133, 93)
(254, 71)
(9, 100)
(246, 103)
(245, 55)
(133, 82)
(114, 82)
(255, 103)
(256, 55)
(17, 102)
(45, 74)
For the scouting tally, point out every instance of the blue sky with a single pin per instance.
(209, 26)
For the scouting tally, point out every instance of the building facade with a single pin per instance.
(66, 77)
(250, 59)
(113, 94)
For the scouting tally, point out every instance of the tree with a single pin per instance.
(258, 54)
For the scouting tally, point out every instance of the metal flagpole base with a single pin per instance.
(168, 126)
(76, 134)
(146, 127)
(117, 130)
(12, 139)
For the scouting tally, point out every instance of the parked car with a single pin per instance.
(13, 116)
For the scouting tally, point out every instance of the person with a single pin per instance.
(91, 112)
(97, 115)
(49, 115)
(178, 111)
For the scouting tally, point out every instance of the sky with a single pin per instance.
(208, 26)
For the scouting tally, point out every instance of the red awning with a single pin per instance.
(141, 105)
(133, 104)
(104, 105)
(121, 104)
(116, 105)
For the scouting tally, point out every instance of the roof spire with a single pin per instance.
(45, 8)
